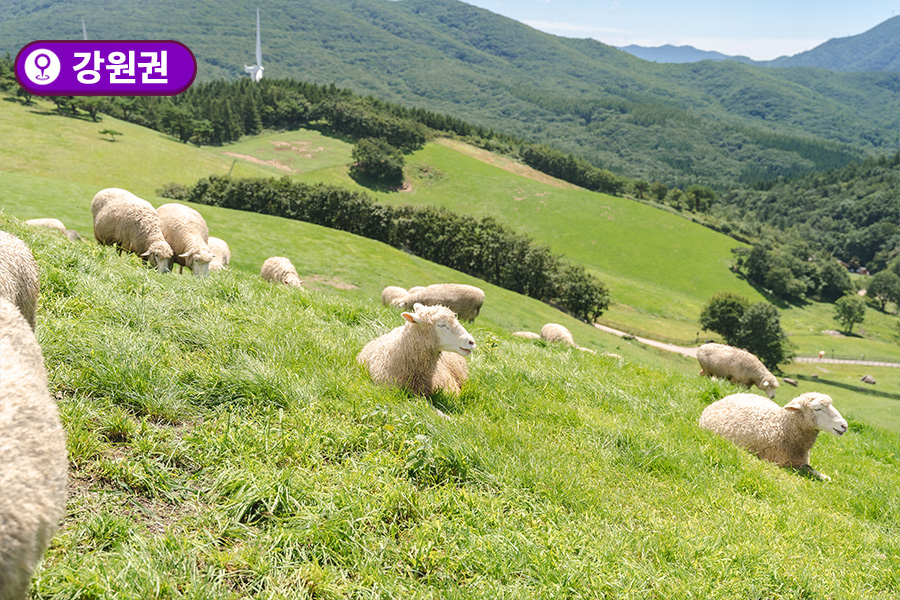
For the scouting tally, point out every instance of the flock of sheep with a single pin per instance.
(425, 355)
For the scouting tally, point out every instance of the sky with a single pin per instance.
(761, 29)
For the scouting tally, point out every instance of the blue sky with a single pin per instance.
(762, 29)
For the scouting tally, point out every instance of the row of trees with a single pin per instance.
(481, 247)
(753, 327)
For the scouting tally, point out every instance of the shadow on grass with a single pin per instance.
(869, 391)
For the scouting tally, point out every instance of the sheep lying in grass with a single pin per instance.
(186, 231)
(19, 282)
(221, 254)
(464, 300)
(49, 223)
(33, 459)
(122, 219)
(737, 366)
(424, 355)
(783, 436)
(554, 332)
(392, 294)
(280, 270)
(528, 335)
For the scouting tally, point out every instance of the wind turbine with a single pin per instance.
(256, 71)
(83, 28)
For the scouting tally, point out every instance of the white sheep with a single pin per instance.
(33, 463)
(392, 294)
(783, 436)
(737, 366)
(424, 355)
(49, 223)
(186, 231)
(464, 300)
(280, 270)
(554, 332)
(19, 279)
(132, 224)
(221, 254)
(528, 335)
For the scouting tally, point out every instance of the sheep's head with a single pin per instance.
(769, 384)
(449, 334)
(159, 254)
(817, 408)
(198, 260)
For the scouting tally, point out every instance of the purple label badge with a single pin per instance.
(105, 68)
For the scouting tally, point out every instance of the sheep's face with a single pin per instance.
(819, 409)
(159, 254)
(449, 335)
(770, 385)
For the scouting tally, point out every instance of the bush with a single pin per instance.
(723, 314)
(760, 332)
(377, 161)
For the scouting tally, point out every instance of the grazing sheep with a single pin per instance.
(221, 254)
(464, 300)
(33, 461)
(392, 294)
(554, 332)
(186, 231)
(19, 282)
(423, 355)
(280, 270)
(528, 335)
(783, 436)
(72, 235)
(132, 224)
(737, 366)
(50, 223)
(415, 288)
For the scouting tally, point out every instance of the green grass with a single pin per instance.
(225, 444)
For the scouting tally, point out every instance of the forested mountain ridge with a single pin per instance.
(874, 50)
(709, 123)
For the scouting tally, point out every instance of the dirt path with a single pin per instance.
(690, 352)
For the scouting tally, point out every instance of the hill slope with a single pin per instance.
(216, 455)
(709, 123)
(874, 50)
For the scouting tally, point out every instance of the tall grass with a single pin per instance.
(224, 443)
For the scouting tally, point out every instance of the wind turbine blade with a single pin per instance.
(258, 41)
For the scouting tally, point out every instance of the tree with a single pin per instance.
(723, 313)
(640, 188)
(377, 160)
(834, 280)
(884, 287)
(760, 332)
(849, 311)
(111, 133)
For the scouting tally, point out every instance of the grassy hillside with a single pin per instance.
(225, 444)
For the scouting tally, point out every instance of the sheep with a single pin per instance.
(464, 300)
(554, 332)
(72, 235)
(783, 436)
(19, 280)
(186, 231)
(528, 335)
(391, 294)
(50, 223)
(221, 254)
(122, 219)
(415, 289)
(280, 270)
(737, 366)
(33, 462)
(424, 355)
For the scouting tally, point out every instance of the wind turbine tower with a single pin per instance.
(83, 28)
(256, 71)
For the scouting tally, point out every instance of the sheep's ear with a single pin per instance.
(147, 253)
(185, 255)
(411, 317)
(417, 306)
(765, 384)
(793, 405)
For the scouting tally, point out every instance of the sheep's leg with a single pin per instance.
(808, 470)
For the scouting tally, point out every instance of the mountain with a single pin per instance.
(678, 54)
(877, 49)
(713, 123)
